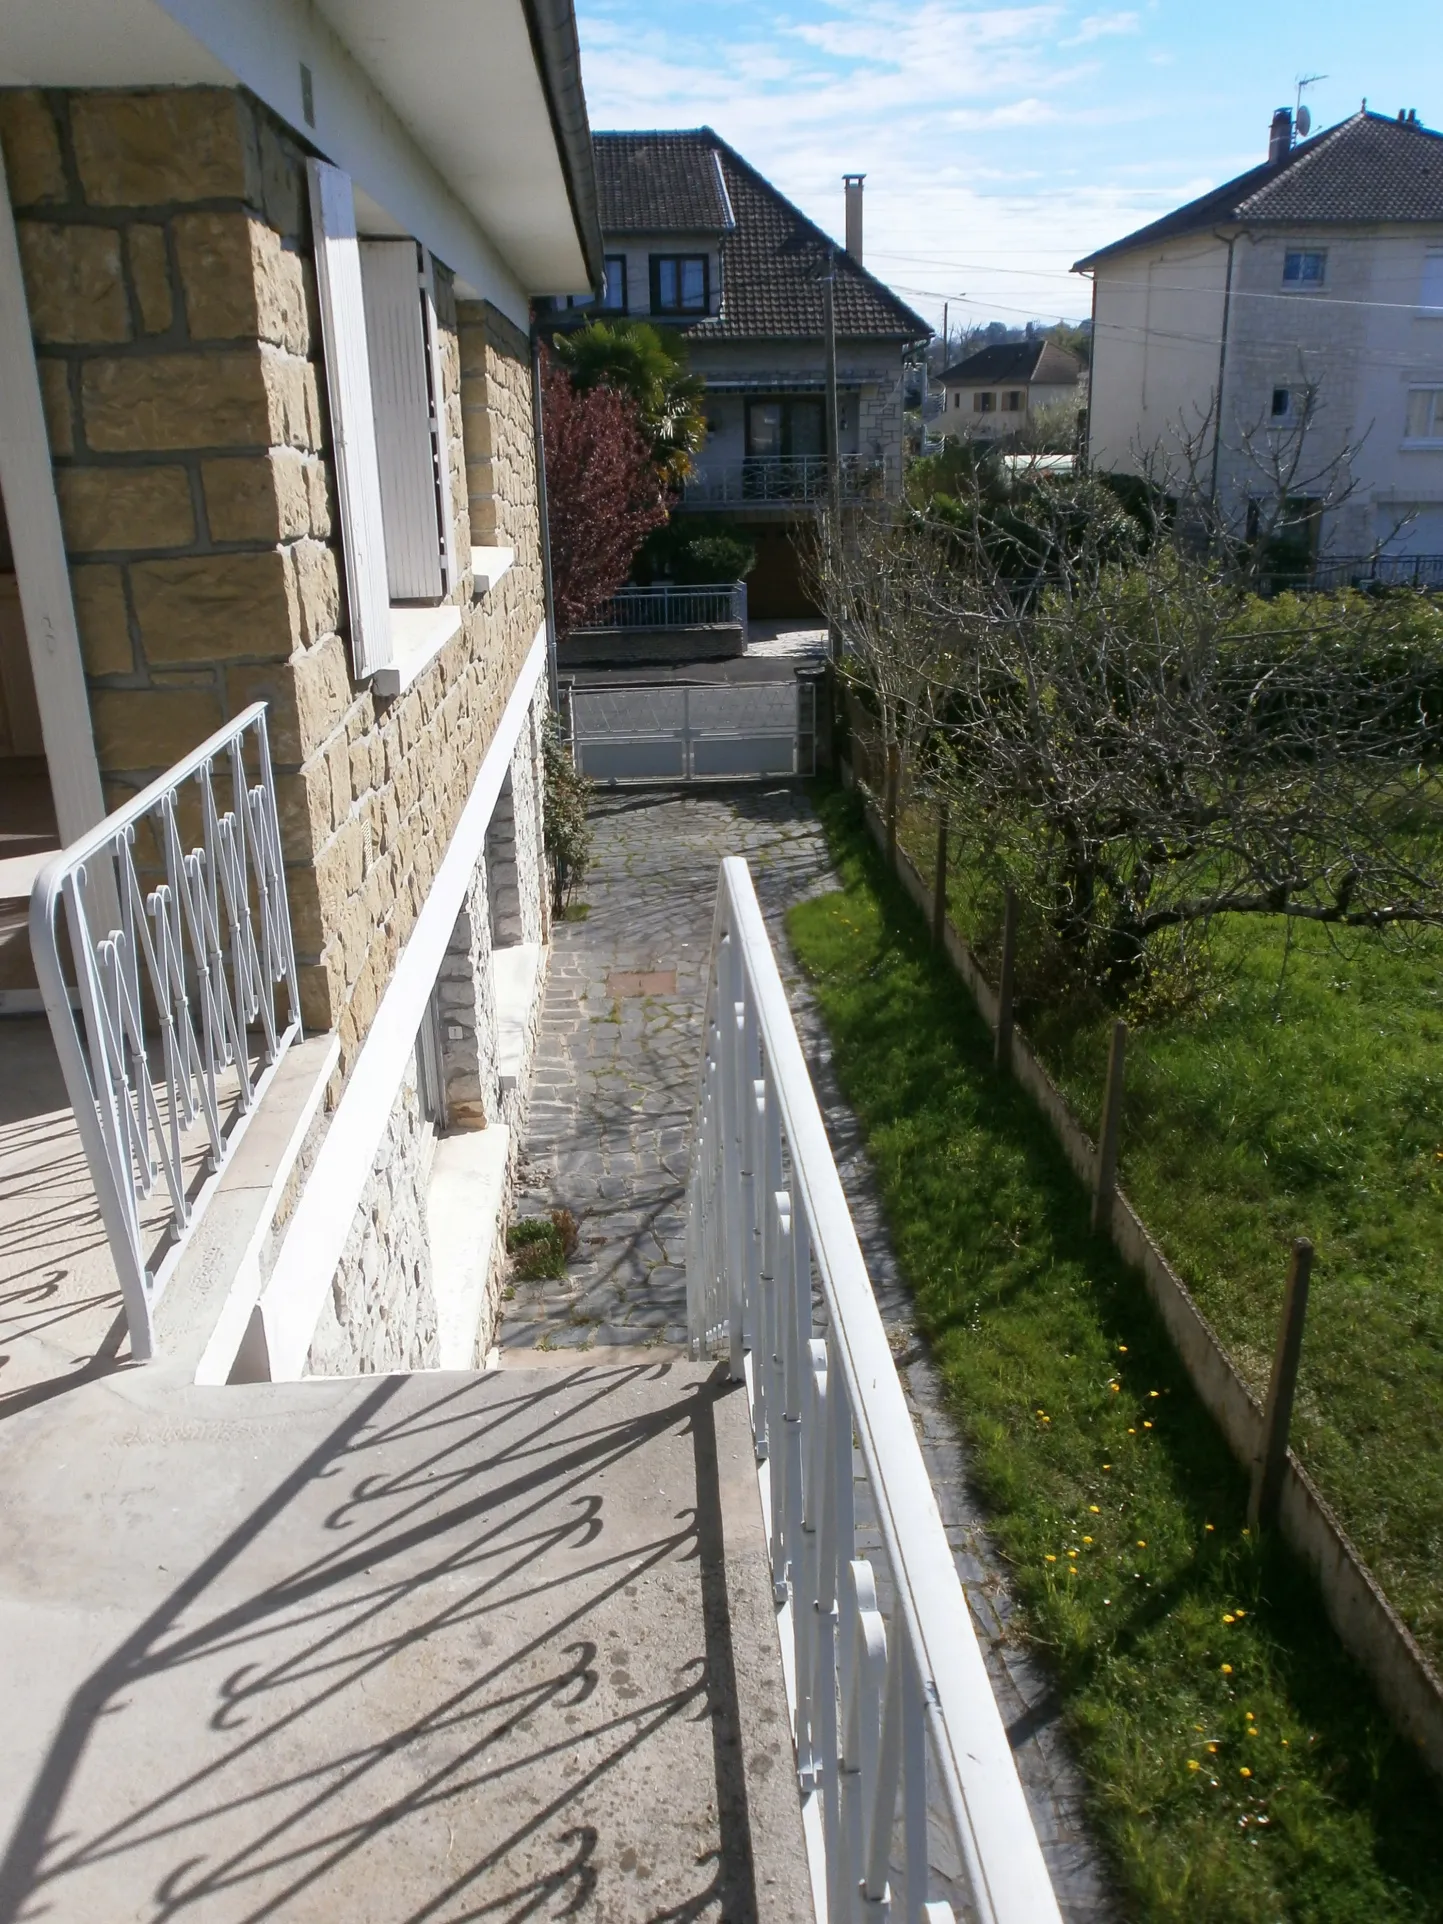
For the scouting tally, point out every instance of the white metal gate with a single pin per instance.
(718, 731)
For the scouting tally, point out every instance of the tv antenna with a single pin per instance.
(1302, 118)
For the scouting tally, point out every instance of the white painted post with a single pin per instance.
(42, 576)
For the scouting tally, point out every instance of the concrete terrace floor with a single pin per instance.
(608, 1137)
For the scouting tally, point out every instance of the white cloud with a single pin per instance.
(965, 119)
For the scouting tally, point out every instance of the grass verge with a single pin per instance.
(1299, 1092)
(1237, 1763)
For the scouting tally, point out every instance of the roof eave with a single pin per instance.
(555, 43)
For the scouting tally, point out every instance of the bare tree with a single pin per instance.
(1138, 742)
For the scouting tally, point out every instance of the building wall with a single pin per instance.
(960, 417)
(1156, 338)
(167, 254)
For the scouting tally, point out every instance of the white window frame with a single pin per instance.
(353, 425)
(1431, 285)
(1435, 439)
(1301, 283)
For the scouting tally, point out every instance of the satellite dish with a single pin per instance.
(1304, 123)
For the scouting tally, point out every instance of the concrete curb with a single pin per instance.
(1369, 1627)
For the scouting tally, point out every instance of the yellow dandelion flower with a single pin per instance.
(1152, 1392)
(1193, 1764)
(1212, 1750)
(1208, 1527)
(1249, 1715)
(1243, 1771)
(1051, 1559)
(1147, 1426)
(1142, 1543)
(1132, 1432)
(1122, 1349)
(1226, 1669)
(1087, 1539)
(1092, 1507)
(1227, 1616)
(1240, 1613)
(1107, 1466)
(1072, 1553)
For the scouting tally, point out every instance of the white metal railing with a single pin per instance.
(670, 605)
(775, 1275)
(175, 979)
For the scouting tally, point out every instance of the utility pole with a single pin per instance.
(834, 453)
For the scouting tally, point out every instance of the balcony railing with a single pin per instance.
(665, 605)
(776, 1278)
(799, 480)
(173, 960)
(1362, 571)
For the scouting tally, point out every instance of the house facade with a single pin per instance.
(993, 394)
(1308, 293)
(268, 436)
(697, 240)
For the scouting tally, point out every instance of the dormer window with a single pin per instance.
(680, 284)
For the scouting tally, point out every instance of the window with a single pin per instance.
(402, 355)
(614, 299)
(956, 399)
(1425, 414)
(1430, 299)
(679, 283)
(1304, 267)
(430, 1065)
(1012, 401)
(984, 402)
(790, 429)
(1282, 403)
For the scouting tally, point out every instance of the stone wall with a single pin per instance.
(166, 244)
(466, 997)
(514, 857)
(381, 1310)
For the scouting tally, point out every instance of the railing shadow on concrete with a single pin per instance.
(403, 1639)
(875, 1705)
(172, 957)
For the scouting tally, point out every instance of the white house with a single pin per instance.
(1311, 284)
(992, 393)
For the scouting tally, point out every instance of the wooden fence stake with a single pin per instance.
(1002, 1047)
(1111, 1128)
(1267, 1490)
(939, 880)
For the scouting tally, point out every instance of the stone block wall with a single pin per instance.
(380, 1313)
(166, 246)
(879, 427)
(514, 856)
(466, 997)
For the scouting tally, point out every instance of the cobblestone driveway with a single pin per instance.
(607, 1138)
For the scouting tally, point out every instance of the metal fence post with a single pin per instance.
(1272, 1459)
(1111, 1128)
(1002, 1045)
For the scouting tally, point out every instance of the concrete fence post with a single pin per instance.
(1111, 1129)
(1002, 1048)
(939, 880)
(1267, 1489)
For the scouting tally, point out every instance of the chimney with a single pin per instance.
(1280, 136)
(853, 185)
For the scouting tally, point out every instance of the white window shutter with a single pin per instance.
(445, 501)
(405, 443)
(353, 432)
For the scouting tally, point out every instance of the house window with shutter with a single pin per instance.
(383, 381)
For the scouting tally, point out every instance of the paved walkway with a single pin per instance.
(608, 1136)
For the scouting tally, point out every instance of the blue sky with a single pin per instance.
(1000, 142)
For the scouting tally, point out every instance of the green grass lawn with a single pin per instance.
(1238, 1765)
(1304, 1099)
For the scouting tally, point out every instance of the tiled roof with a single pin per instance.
(1367, 169)
(773, 257)
(1041, 361)
(659, 184)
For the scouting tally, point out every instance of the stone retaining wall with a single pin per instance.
(381, 1311)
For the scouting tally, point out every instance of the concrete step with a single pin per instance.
(437, 1646)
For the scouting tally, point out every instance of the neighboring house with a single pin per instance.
(697, 240)
(1314, 281)
(275, 306)
(995, 392)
